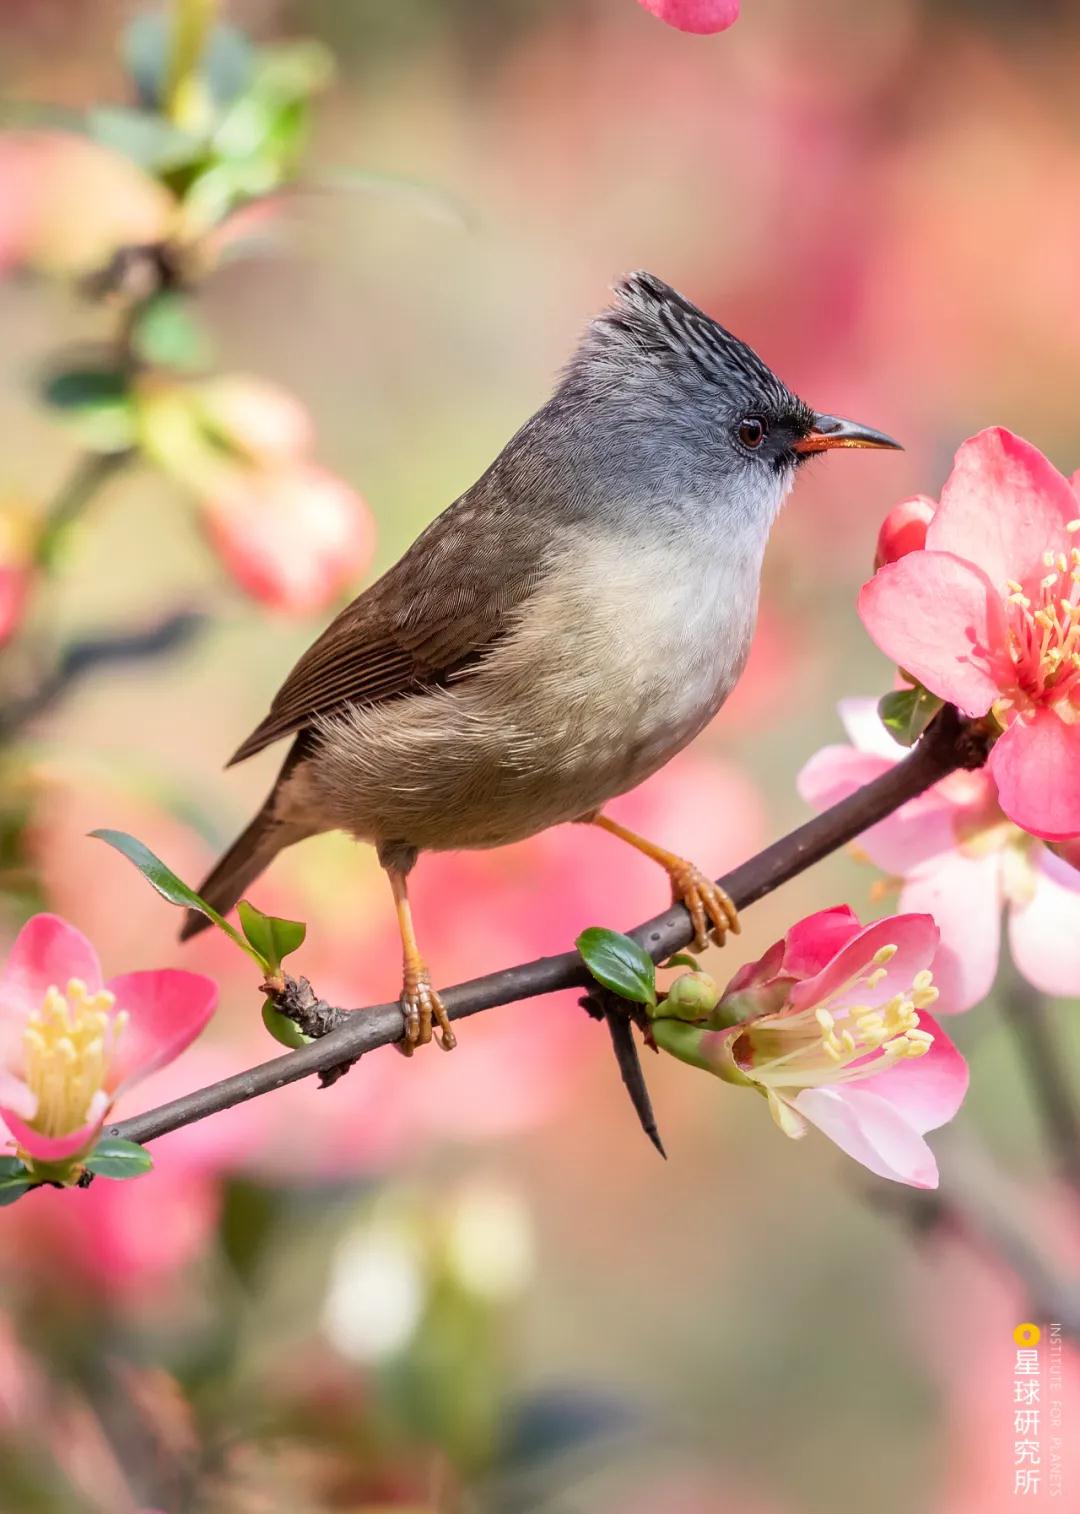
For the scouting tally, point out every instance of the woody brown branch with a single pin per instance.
(347, 1034)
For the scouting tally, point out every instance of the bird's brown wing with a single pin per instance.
(445, 603)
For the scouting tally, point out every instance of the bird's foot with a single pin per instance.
(711, 910)
(423, 1009)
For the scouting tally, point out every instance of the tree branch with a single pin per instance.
(949, 743)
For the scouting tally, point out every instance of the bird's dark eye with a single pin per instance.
(752, 431)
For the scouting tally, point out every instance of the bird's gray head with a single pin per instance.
(659, 363)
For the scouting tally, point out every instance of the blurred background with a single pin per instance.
(468, 1283)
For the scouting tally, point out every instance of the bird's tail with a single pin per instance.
(250, 854)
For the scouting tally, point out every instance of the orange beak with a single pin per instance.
(830, 431)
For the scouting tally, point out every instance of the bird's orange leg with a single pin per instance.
(420, 1004)
(711, 910)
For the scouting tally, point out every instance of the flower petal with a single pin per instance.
(916, 940)
(941, 620)
(869, 1129)
(812, 943)
(54, 1148)
(1044, 933)
(1003, 506)
(46, 954)
(702, 16)
(922, 828)
(16, 1097)
(927, 1090)
(865, 730)
(904, 529)
(168, 1009)
(964, 896)
(1036, 765)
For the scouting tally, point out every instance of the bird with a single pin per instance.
(559, 632)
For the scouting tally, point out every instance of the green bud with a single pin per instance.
(692, 996)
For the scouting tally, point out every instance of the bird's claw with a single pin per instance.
(422, 1009)
(712, 912)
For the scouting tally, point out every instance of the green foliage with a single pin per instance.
(14, 1180)
(169, 886)
(905, 713)
(96, 406)
(117, 1159)
(271, 937)
(168, 334)
(225, 66)
(619, 964)
(148, 139)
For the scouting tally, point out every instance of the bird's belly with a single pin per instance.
(587, 698)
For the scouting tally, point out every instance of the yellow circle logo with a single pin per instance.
(1027, 1335)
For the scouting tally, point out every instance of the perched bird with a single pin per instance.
(560, 631)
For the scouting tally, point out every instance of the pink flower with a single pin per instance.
(695, 15)
(69, 1044)
(17, 540)
(291, 533)
(987, 616)
(295, 537)
(836, 1036)
(961, 860)
(67, 203)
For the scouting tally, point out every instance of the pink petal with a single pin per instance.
(1036, 765)
(941, 620)
(1003, 506)
(1044, 934)
(168, 1009)
(16, 1097)
(916, 940)
(46, 954)
(927, 1091)
(964, 896)
(923, 828)
(861, 721)
(54, 1148)
(294, 536)
(811, 945)
(702, 16)
(257, 417)
(904, 529)
(869, 1129)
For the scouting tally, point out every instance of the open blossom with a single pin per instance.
(987, 615)
(292, 534)
(833, 1032)
(69, 1043)
(963, 861)
(695, 15)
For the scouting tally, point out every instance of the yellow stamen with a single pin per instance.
(68, 1045)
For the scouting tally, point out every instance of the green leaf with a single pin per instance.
(225, 65)
(15, 1179)
(282, 1028)
(271, 937)
(148, 139)
(117, 1159)
(905, 713)
(168, 333)
(619, 964)
(96, 404)
(169, 886)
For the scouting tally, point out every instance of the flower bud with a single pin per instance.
(904, 529)
(691, 997)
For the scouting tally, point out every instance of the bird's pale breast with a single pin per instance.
(618, 660)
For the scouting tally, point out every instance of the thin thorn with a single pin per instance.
(626, 1054)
